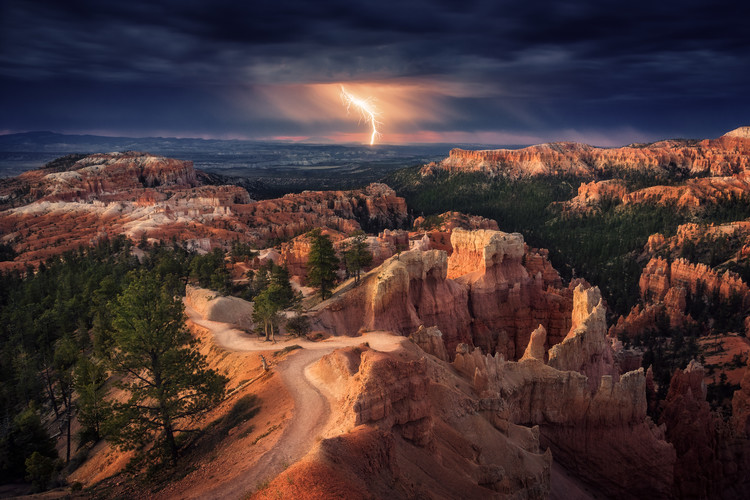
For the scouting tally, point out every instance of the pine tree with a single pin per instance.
(65, 358)
(93, 409)
(356, 255)
(276, 296)
(322, 263)
(168, 381)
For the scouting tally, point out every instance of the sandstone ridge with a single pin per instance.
(726, 155)
(491, 292)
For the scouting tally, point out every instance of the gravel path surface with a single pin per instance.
(312, 409)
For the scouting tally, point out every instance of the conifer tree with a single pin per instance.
(168, 381)
(322, 263)
(357, 256)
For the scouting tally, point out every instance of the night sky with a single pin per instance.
(486, 71)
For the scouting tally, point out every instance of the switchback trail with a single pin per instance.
(311, 408)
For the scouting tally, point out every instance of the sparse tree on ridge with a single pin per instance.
(276, 296)
(167, 379)
(356, 255)
(322, 263)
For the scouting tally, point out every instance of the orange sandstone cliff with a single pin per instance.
(726, 155)
(483, 295)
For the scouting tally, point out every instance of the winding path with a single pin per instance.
(301, 431)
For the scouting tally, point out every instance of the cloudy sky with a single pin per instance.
(484, 71)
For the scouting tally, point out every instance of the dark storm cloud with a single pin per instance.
(658, 67)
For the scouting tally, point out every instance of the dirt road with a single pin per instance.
(311, 408)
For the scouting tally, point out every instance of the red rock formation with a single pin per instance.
(586, 349)
(442, 442)
(407, 291)
(430, 340)
(438, 229)
(448, 221)
(507, 302)
(694, 193)
(723, 156)
(691, 428)
(148, 196)
(591, 194)
(669, 285)
(482, 296)
(598, 431)
(100, 175)
(373, 208)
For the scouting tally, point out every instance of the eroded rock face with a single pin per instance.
(723, 156)
(407, 291)
(448, 221)
(535, 350)
(694, 193)
(592, 194)
(665, 287)
(507, 302)
(691, 430)
(100, 176)
(78, 200)
(482, 295)
(599, 431)
(586, 349)
(445, 442)
(690, 195)
(438, 230)
(430, 340)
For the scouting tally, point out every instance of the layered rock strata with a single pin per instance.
(593, 419)
(724, 156)
(439, 440)
(482, 295)
(78, 200)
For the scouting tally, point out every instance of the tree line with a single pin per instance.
(86, 317)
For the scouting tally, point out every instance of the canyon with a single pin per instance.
(76, 203)
(462, 364)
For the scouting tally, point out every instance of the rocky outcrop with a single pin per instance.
(374, 208)
(407, 291)
(100, 176)
(482, 295)
(214, 307)
(691, 428)
(694, 193)
(586, 349)
(438, 229)
(448, 221)
(535, 350)
(506, 301)
(393, 395)
(430, 340)
(592, 194)
(723, 156)
(739, 133)
(668, 287)
(77, 200)
(442, 441)
(603, 434)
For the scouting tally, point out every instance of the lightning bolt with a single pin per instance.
(367, 110)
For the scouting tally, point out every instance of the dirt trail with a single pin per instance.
(312, 409)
